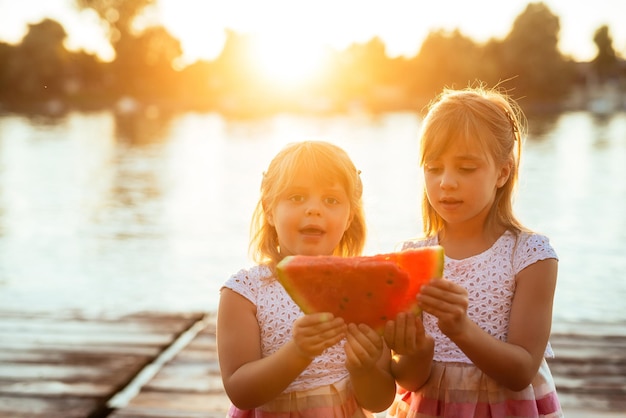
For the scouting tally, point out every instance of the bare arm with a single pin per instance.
(251, 380)
(514, 363)
(413, 351)
(367, 360)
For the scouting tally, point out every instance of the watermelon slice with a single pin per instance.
(368, 289)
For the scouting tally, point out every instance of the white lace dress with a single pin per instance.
(456, 388)
(322, 389)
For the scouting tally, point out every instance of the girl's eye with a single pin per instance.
(468, 169)
(296, 198)
(432, 169)
(331, 201)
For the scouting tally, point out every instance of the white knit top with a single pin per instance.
(276, 313)
(489, 278)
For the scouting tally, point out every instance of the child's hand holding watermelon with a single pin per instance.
(412, 349)
(406, 334)
(363, 348)
(314, 333)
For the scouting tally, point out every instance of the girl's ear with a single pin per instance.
(503, 177)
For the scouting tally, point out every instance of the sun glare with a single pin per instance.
(287, 62)
(283, 55)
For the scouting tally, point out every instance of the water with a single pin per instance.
(102, 215)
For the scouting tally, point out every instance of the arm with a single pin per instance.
(513, 363)
(413, 351)
(251, 380)
(367, 361)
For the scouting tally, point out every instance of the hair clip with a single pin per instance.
(512, 122)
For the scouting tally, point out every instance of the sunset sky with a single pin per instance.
(401, 24)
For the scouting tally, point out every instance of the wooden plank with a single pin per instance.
(67, 366)
(590, 369)
(135, 330)
(170, 404)
(90, 326)
(589, 329)
(42, 407)
(55, 388)
(191, 378)
(11, 348)
(189, 384)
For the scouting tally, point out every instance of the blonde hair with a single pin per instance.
(497, 123)
(326, 163)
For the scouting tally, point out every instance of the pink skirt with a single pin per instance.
(459, 390)
(332, 401)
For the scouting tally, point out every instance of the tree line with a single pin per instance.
(526, 63)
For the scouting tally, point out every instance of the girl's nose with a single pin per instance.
(313, 210)
(448, 181)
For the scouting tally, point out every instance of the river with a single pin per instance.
(107, 215)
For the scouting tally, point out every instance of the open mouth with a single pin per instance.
(450, 203)
(311, 230)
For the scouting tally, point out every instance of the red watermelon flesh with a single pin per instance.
(368, 289)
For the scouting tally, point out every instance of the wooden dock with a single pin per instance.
(165, 366)
(69, 366)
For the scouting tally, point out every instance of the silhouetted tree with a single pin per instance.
(445, 59)
(605, 62)
(6, 53)
(143, 66)
(527, 60)
(360, 71)
(143, 61)
(38, 65)
(199, 85)
(119, 15)
(530, 55)
(233, 67)
(88, 82)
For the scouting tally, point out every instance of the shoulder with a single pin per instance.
(532, 242)
(247, 281)
(531, 247)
